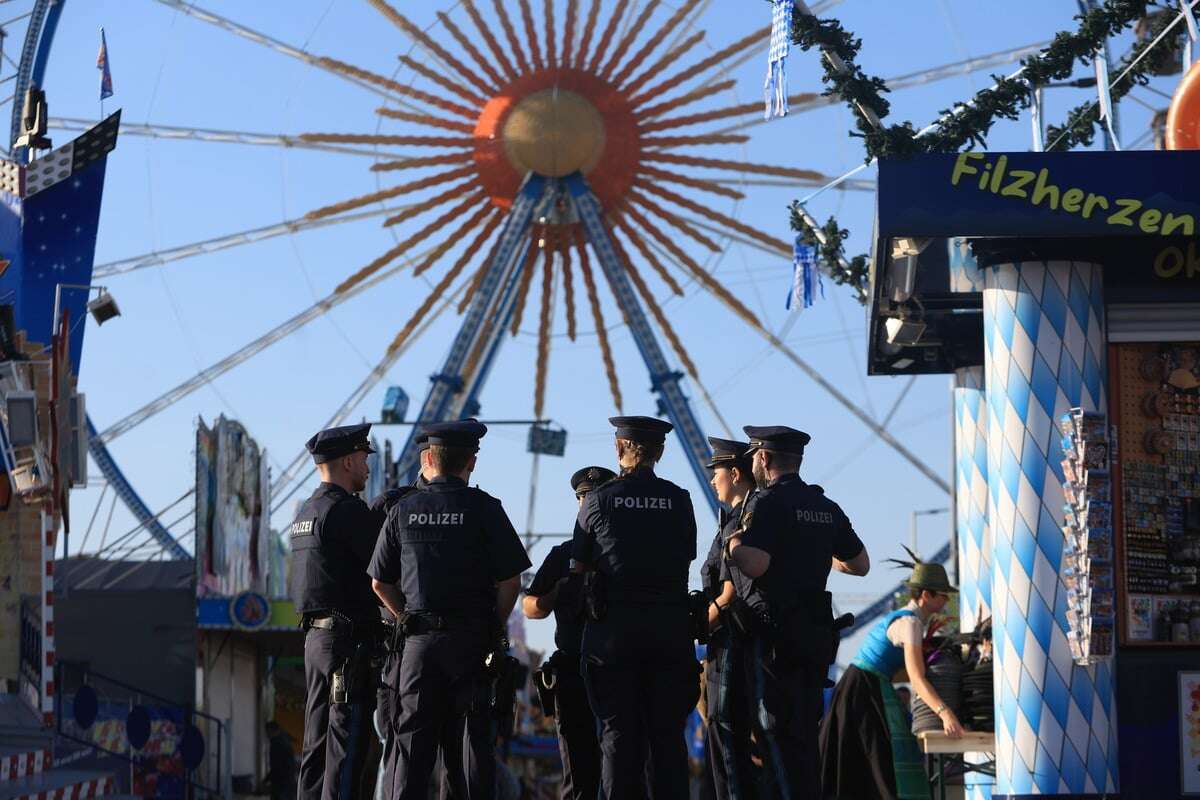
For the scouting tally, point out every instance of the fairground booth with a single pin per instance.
(1062, 293)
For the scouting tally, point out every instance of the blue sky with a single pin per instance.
(171, 69)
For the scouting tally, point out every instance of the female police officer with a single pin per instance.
(729, 761)
(638, 534)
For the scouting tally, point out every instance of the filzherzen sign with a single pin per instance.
(1138, 213)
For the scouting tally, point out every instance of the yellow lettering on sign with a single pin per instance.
(1123, 217)
(1071, 199)
(1016, 187)
(963, 166)
(1093, 201)
(1148, 223)
(1169, 262)
(1042, 190)
(1184, 221)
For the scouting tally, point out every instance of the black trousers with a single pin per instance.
(335, 734)
(729, 763)
(786, 703)
(578, 743)
(443, 703)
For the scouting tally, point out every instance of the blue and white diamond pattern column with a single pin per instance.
(974, 538)
(1044, 337)
(971, 497)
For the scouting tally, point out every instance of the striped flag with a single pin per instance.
(106, 89)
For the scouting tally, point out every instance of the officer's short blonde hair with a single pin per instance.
(450, 460)
(645, 455)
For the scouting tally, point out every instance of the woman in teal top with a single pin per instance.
(867, 748)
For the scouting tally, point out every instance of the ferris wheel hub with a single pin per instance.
(553, 132)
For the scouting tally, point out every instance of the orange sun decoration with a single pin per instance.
(602, 104)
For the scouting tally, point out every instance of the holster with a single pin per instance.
(501, 673)
(351, 681)
(545, 682)
(698, 615)
(595, 596)
(745, 621)
(806, 635)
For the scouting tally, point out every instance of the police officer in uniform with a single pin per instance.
(555, 589)
(730, 768)
(332, 540)
(637, 534)
(789, 538)
(448, 565)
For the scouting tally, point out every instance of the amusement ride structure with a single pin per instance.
(557, 148)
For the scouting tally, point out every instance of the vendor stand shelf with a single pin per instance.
(948, 756)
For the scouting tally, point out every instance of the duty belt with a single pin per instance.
(419, 622)
(339, 623)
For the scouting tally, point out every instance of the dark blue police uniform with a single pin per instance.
(788, 659)
(446, 546)
(578, 744)
(638, 533)
(332, 539)
(730, 768)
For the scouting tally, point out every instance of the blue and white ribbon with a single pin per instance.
(806, 278)
(775, 87)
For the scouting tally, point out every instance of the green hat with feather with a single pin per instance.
(925, 575)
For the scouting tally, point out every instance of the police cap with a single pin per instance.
(422, 441)
(334, 443)
(727, 453)
(777, 438)
(646, 430)
(464, 433)
(588, 478)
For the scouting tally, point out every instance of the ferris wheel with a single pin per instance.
(570, 169)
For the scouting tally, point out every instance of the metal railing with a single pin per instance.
(173, 750)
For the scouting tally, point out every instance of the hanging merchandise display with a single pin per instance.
(1087, 533)
(1159, 417)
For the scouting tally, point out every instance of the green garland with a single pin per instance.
(965, 123)
(855, 272)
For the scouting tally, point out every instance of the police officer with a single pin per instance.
(730, 767)
(789, 538)
(332, 540)
(637, 533)
(448, 565)
(555, 589)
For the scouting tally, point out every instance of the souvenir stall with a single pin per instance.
(1062, 293)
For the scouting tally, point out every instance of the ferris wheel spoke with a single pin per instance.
(652, 303)
(249, 34)
(652, 42)
(674, 220)
(209, 135)
(542, 368)
(397, 88)
(638, 242)
(468, 225)
(606, 37)
(627, 41)
(510, 34)
(442, 81)
(425, 119)
(734, 166)
(377, 138)
(469, 47)
(395, 191)
(714, 216)
(702, 66)
(564, 255)
(407, 244)
(687, 99)
(589, 28)
(437, 200)
(848, 185)
(672, 56)
(740, 110)
(531, 37)
(686, 180)
(774, 250)
(551, 46)
(430, 44)
(539, 234)
(159, 257)
(423, 161)
(589, 283)
(569, 32)
(685, 141)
